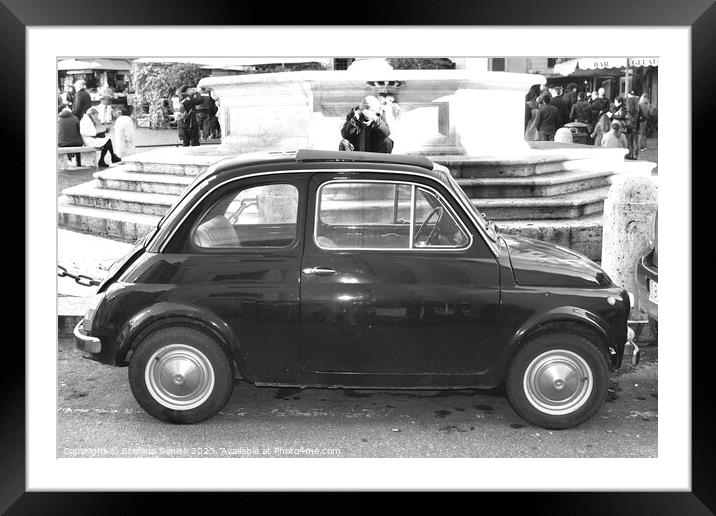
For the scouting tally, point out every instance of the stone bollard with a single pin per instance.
(629, 213)
(123, 137)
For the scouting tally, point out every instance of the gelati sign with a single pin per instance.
(643, 61)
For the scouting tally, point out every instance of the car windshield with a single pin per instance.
(486, 225)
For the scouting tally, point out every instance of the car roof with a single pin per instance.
(305, 157)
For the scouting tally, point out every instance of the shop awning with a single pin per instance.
(603, 64)
(80, 65)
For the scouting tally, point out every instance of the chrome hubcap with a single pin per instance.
(558, 382)
(179, 377)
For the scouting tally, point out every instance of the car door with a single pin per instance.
(239, 259)
(394, 279)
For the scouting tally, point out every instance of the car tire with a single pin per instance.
(558, 380)
(180, 375)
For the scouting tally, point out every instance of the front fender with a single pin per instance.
(562, 315)
(169, 313)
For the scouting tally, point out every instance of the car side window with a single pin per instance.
(257, 216)
(434, 224)
(384, 215)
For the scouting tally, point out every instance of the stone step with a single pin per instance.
(582, 234)
(533, 162)
(179, 161)
(89, 195)
(122, 179)
(122, 225)
(535, 186)
(566, 206)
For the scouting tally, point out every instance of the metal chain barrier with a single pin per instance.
(81, 279)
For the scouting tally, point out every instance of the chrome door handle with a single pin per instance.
(318, 271)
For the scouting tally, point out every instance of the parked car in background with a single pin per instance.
(352, 270)
(647, 279)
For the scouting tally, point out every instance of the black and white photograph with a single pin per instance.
(358, 257)
(360, 261)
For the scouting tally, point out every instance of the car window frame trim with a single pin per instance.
(248, 249)
(164, 241)
(413, 191)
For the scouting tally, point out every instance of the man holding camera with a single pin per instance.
(365, 130)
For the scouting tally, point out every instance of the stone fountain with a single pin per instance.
(444, 112)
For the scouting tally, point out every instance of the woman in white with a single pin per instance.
(92, 137)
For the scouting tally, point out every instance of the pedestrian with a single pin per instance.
(558, 102)
(68, 131)
(214, 126)
(619, 114)
(531, 133)
(615, 138)
(581, 110)
(645, 108)
(187, 123)
(365, 129)
(82, 100)
(600, 129)
(546, 118)
(599, 105)
(104, 110)
(633, 123)
(204, 112)
(92, 137)
(570, 96)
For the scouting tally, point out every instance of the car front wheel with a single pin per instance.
(180, 375)
(558, 380)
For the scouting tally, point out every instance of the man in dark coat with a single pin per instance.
(546, 118)
(570, 96)
(581, 111)
(68, 131)
(204, 112)
(599, 105)
(558, 102)
(82, 100)
(365, 130)
(187, 122)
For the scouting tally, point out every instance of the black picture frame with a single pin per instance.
(17, 15)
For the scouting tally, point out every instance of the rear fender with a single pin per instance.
(175, 314)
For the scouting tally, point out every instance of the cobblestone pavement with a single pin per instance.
(98, 416)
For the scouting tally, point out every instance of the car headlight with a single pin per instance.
(91, 310)
(631, 299)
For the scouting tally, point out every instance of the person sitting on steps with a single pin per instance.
(68, 131)
(92, 137)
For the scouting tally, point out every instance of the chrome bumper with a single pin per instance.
(85, 342)
(630, 348)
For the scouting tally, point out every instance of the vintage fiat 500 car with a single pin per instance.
(351, 270)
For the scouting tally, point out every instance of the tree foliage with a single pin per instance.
(154, 82)
(417, 63)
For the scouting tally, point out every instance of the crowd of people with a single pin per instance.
(81, 124)
(549, 108)
(196, 117)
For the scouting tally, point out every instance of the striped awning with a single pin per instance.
(603, 64)
(93, 64)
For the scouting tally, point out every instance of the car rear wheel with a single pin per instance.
(180, 375)
(558, 380)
